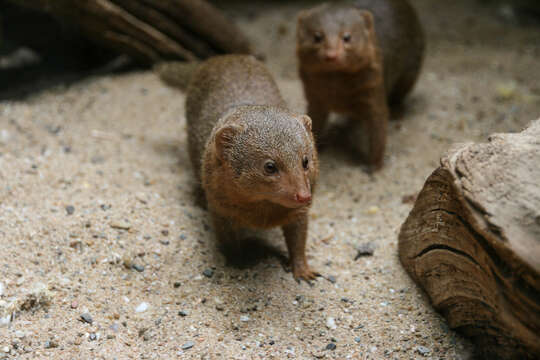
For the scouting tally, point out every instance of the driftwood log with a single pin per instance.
(472, 242)
(150, 30)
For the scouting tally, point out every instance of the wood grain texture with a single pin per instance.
(472, 242)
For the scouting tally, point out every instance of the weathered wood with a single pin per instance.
(150, 30)
(472, 242)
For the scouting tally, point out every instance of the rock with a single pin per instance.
(142, 307)
(182, 313)
(422, 350)
(357, 339)
(331, 278)
(372, 210)
(120, 224)
(92, 336)
(138, 267)
(70, 209)
(331, 346)
(366, 249)
(188, 345)
(331, 323)
(87, 318)
(50, 344)
(177, 284)
(244, 318)
(219, 304)
(5, 320)
(506, 91)
(208, 272)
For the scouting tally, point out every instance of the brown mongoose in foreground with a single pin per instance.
(256, 161)
(356, 58)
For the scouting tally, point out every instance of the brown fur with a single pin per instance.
(237, 123)
(360, 76)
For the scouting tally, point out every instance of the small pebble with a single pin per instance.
(5, 320)
(244, 318)
(372, 210)
(92, 336)
(122, 225)
(138, 267)
(331, 278)
(70, 209)
(87, 318)
(182, 313)
(422, 350)
(331, 323)
(188, 345)
(177, 284)
(331, 346)
(357, 339)
(219, 304)
(366, 249)
(142, 307)
(50, 344)
(165, 232)
(208, 273)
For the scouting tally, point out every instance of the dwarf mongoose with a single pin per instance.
(256, 161)
(355, 59)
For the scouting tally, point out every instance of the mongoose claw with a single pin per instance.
(304, 273)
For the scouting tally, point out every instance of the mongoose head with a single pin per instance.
(267, 154)
(335, 37)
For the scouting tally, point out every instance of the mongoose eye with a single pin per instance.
(347, 37)
(270, 168)
(317, 37)
(305, 162)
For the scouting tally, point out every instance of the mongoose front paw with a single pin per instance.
(304, 272)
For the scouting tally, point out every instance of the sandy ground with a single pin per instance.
(96, 210)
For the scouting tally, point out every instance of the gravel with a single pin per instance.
(188, 345)
(87, 318)
(121, 140)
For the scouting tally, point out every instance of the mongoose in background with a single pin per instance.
(256, 161)
(355, 59)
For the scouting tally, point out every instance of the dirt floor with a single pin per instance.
(104, 254)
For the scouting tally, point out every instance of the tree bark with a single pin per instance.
(472, 242)
(150, 30)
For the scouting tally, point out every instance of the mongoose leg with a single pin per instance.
(226, 234)
(319, 118)
(296, 235)
(373, 119)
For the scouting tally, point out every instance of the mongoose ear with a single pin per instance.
(368, 19)
(306, 120)
(224, 138)
(302, 15)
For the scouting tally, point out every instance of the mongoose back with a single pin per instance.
(256, 161)
(355, 59)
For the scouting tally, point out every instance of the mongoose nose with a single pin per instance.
(303, 198)
(331, 55)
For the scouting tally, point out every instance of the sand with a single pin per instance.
(97, 214)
